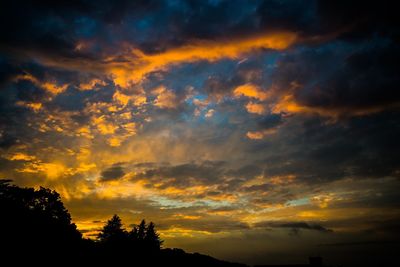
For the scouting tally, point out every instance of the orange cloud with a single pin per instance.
(141, 64)
(114, 141)
(84, 167)
(256, 108)
(130, 130)
(251, 91)
(165, 98)
(91, 84)
(35, 106)
(187, 217)
(323, 200)
(51, 87)
(280, 180)
(257, 135)
(209, 113)
(288, 104)
(51, 170)
(22, 156)
(136, 64)
(104, 126)
(84, 131)
(135, 99)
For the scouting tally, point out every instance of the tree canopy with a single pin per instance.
(142, 237)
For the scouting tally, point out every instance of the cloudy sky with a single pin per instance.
(253, 131)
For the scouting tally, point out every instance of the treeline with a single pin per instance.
(142, 237)
(36, 230)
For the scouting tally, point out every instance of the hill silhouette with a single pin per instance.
(36, 229)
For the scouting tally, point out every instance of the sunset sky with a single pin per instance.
(252, 131)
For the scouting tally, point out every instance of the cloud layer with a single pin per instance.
(236, 121)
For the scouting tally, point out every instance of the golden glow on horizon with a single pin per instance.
(183, 232)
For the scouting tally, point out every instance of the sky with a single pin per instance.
(252, 131)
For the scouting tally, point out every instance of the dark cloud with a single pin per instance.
(27, 91)
(367, 80)
(269, 121)
(295, 227)
(259, 187)
(217, 87)
(41, 29)
(55, 27)
(288, 15)
(350, 21)
(209, 224)
(246, 172)
(325, 152)
(115, 172)
(14, 118)
(7, 69)
(207, 173)
(185, 174)
(359, 19)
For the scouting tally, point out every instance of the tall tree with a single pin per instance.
(113, 231)
(142, 230)
(133, 234)
(152, 238)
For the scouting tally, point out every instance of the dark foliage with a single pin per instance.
(36, 229)
(113, 231)
(35, 222)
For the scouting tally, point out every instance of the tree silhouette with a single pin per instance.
(152, 238)
(113, 231)
(36, 229)
(145, 237)
(141, 231)
(35, 222)
(133, 234)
